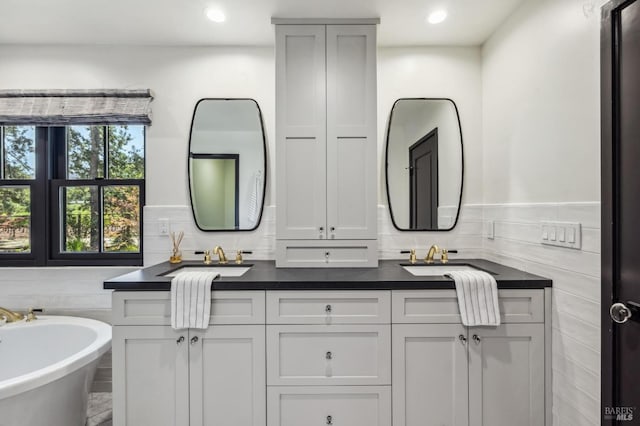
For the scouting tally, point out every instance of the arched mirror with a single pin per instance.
(227, 164)
(424, 164)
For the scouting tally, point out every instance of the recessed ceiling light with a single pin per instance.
(437, 16)
(216, 15)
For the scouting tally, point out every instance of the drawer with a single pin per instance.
(154, 307)
(329, 355)
(328, 307)
(326, 253)
(441, 306)
(322, 405)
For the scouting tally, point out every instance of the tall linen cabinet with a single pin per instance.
(326, 181)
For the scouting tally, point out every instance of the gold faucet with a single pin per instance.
(222, 258)
(11, 316)
(432, 251)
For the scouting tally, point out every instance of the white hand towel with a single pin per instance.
(477, 293)
(191, 299)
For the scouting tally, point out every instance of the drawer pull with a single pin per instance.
(194, 340)
(462, 339)
(180, 340)
(329, 355)
(476, 339)
(329, 420)
(328, 309)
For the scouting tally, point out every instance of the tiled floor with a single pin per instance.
(99, 409)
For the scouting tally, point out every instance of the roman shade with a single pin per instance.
(69, 107)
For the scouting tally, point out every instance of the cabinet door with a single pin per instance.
(506, 375)
(301, 132)
(351, 132)
(150, 376)
(227, 376)
(430, 378)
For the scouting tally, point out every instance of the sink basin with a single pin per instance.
(224, 271)
(436, 270)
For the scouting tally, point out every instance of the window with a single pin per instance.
(71, 195)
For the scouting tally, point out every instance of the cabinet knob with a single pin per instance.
(180, 340)
(328, 309)
(194, 340)
(333, 228)
(329, 420)
(476, 339)
(329, 355)
(462, 339)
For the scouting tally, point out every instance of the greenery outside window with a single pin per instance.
(71, 195)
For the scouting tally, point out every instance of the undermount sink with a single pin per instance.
(436, 270)
(224, 271)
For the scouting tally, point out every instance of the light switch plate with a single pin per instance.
(163, 226)
(561, 234)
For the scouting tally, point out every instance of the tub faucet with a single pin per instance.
(11, 316)
(222, 258)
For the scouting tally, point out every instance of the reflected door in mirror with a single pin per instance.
(423, 174)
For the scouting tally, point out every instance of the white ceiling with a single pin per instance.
(183, 22)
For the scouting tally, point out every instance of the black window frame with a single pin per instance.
(46, 225)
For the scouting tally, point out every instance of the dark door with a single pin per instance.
(423, 186)
(620, 56)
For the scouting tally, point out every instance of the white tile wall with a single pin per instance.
(466, 237)
(157, 248)
(576, 297)
(66, 290)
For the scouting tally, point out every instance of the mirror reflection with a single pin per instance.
(227, 164)
(424, 164)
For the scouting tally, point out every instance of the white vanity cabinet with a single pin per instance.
(445, 373)
(198, 377)
(326, 144)
(332, 357)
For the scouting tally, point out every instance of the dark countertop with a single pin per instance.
(263, 275)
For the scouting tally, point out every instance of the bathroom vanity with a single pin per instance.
(350, 346)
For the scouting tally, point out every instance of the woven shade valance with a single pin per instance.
(69, 107)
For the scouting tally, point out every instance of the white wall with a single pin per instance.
(541, 114)
(541, 141)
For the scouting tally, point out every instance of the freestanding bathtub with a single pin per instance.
(46, 369)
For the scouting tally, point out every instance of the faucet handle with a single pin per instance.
(412, 255)
(239, 254)
(31, 315)
(444, 258)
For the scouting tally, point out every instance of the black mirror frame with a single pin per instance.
(386, 165)
(264, 150)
